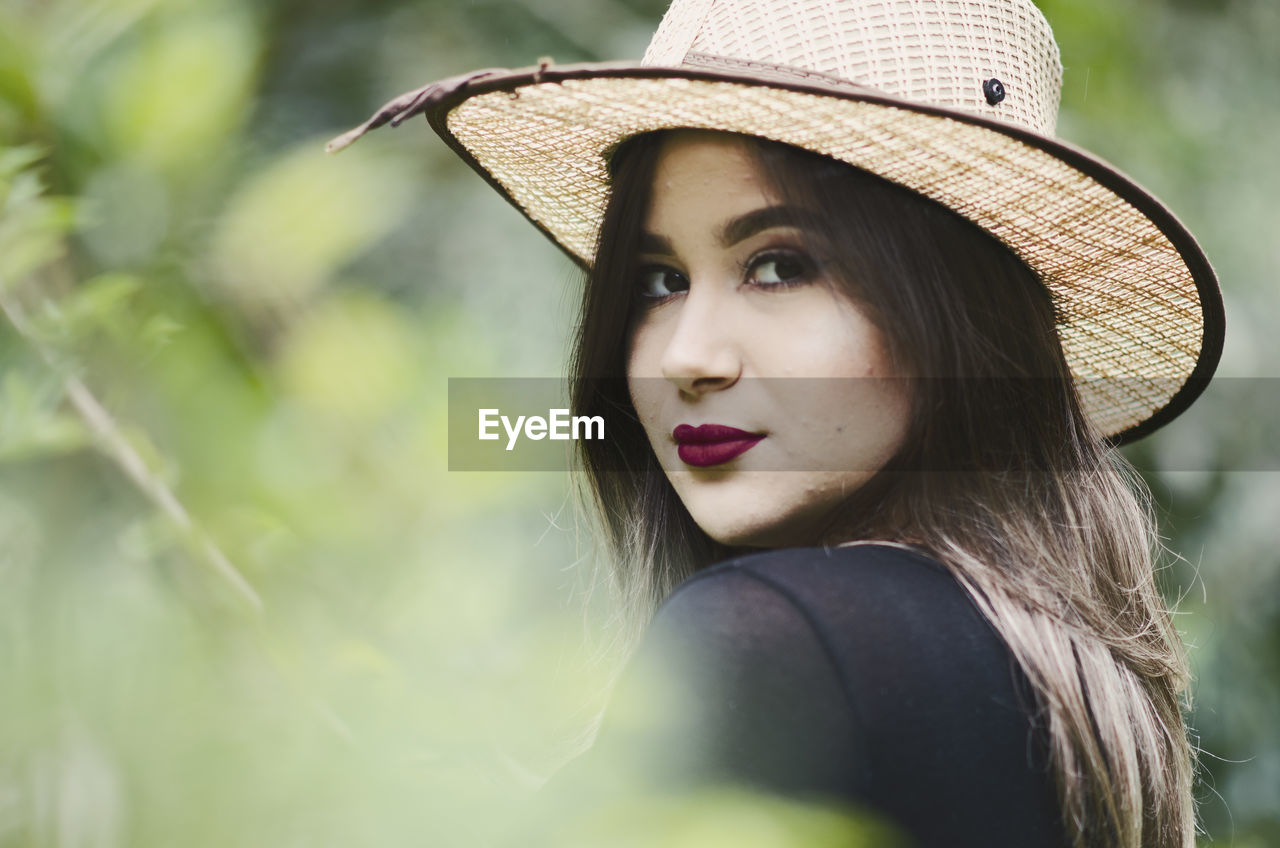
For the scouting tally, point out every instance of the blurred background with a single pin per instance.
(242, 599)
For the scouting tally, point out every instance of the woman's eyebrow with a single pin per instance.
(735, 230)
(745, 226)
(655, 244)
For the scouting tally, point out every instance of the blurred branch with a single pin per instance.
(31, 229)
(127, 458)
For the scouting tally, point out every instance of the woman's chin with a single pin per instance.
(758, 531)
(762, 509)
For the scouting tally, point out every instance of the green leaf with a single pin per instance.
(31, 423)
(16, 159)
(158, 331)
(32, 226)
(54, 436)
(100, 304)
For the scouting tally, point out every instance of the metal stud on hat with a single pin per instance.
(954, 99)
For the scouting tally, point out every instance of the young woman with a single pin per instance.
(863, 382)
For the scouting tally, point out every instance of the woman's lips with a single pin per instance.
(712, 444)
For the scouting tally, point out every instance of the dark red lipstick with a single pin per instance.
(712, 444)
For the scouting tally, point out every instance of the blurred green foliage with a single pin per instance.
(243, 602)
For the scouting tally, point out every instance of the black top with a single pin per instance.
(863, 674)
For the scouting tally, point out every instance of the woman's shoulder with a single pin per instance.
(873, 583)
(882, 648)
(865, 558)
(885, 619)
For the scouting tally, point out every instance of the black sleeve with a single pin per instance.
(733, 684)
(863, 677)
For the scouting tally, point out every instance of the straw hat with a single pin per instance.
(955, 99)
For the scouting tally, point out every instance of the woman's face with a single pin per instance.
(767, 395)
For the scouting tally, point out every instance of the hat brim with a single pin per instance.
(1141, 317)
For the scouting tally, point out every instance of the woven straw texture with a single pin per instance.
(1132, 324)
(928, 52)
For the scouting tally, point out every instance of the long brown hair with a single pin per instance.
(1000, 477)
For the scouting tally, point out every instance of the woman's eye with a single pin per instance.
(657, 282)
(780, 269)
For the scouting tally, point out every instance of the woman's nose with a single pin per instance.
(702, 354)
